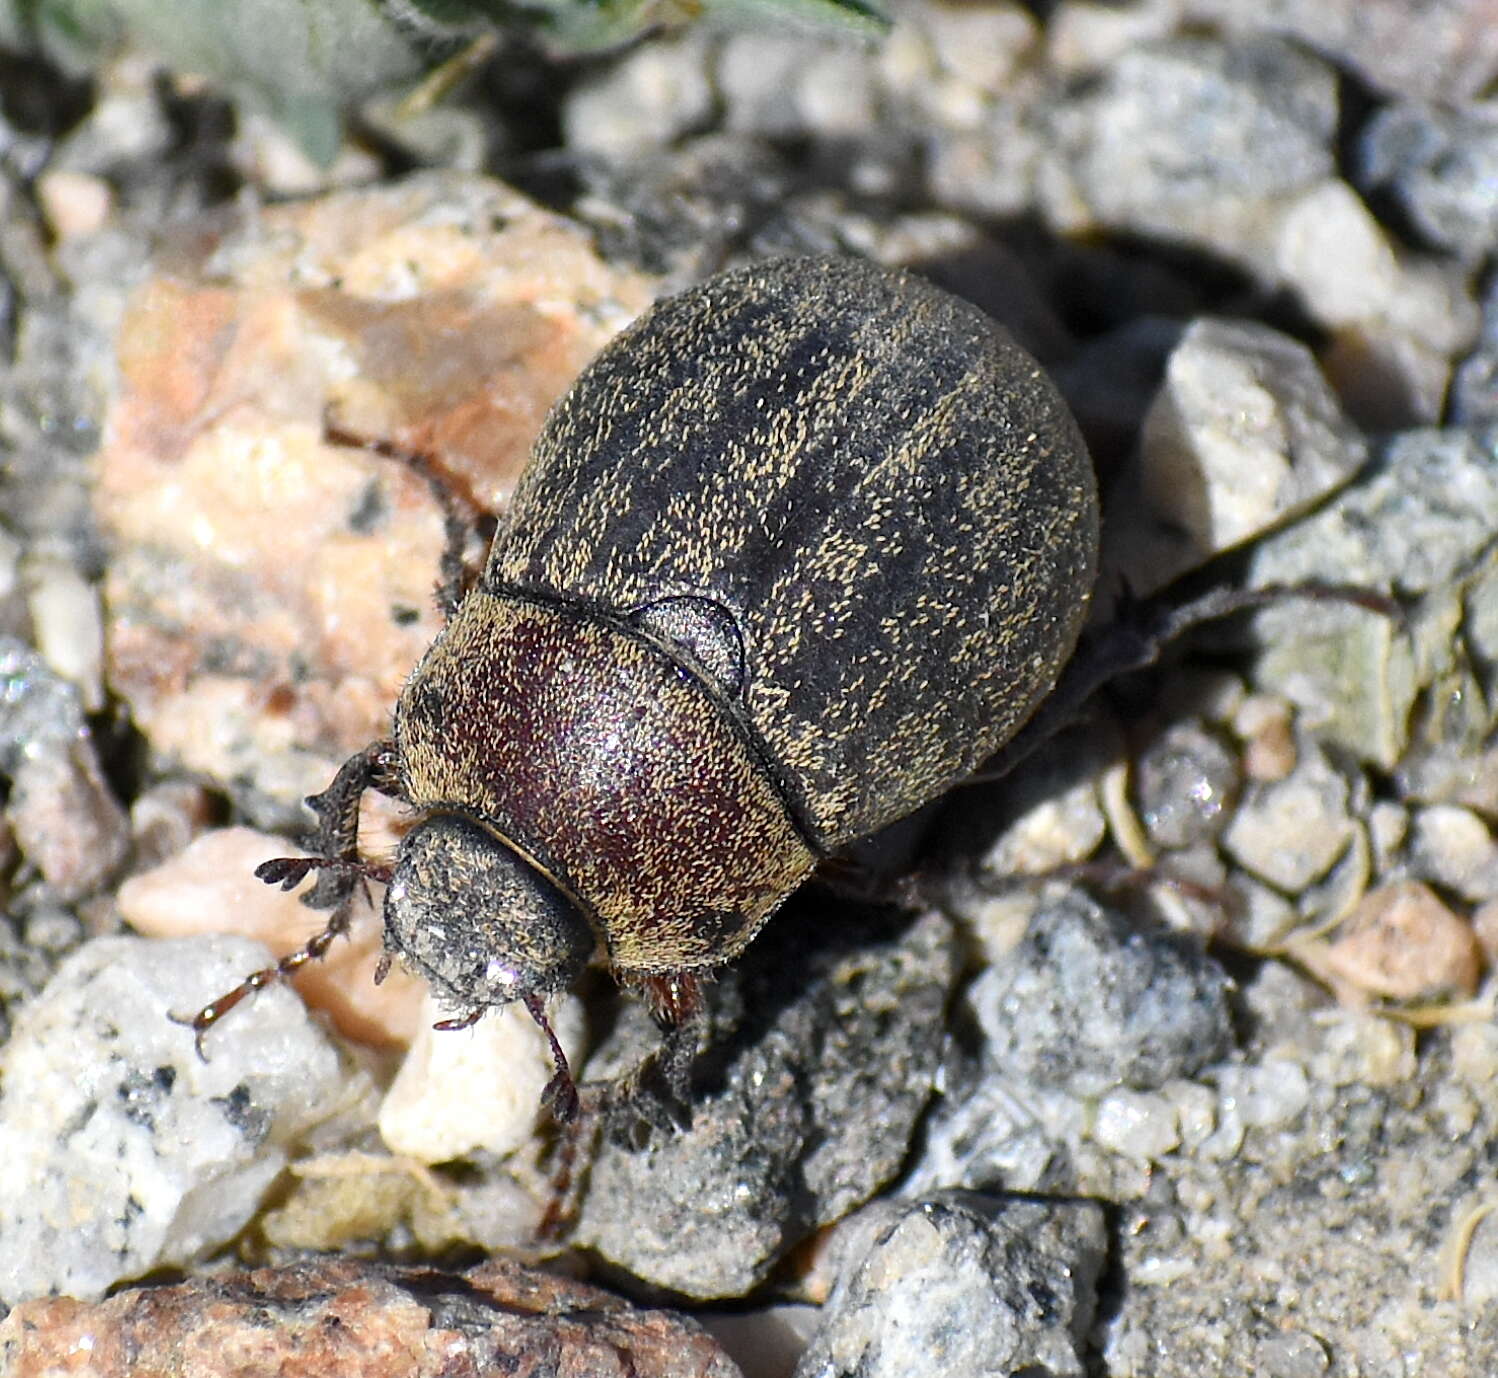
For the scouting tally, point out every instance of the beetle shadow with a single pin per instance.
(748, 1001)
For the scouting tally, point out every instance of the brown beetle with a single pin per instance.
(797, 551)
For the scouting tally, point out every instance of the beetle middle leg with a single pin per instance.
(658, 1091)
(462, 519)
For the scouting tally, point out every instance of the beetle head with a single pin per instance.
(479, 922)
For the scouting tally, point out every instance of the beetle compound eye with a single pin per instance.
(481, 924)
(705, 633)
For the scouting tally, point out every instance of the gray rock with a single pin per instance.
(1453, 847)
(125, 1151)
(32, 943)
(805, 1105)
(1088, 1001)
(1227, 146)
(1185, 781)
(684, 211)
(1111, 381)
(1474, 389)
(1243, 434)
(1173, 129)
(1416, 522)
(962, 1284)
(654, 95)
(1046, 812)
(984, 1135)
(1439, 164)
(65, 820)
(1291, 832)
(1445, 50)
(783, 85)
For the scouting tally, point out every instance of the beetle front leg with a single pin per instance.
(339, 868)
(337, 810)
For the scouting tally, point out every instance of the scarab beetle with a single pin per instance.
(797, 551)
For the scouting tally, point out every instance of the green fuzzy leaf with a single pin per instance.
(306, 61)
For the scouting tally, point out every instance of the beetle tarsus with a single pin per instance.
(288, 872)
(314, 949)
(561, 1091)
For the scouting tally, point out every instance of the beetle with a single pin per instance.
(798, 550)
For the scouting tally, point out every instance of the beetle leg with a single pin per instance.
(561, 1091)
(677, 1004)
(339, 869)
(657, 1094)
(463, 521)
(337, 810)
(314, 949)
(1139, 634)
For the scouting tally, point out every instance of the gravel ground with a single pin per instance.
(1186, 1061)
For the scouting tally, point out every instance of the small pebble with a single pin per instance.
(75, 203)
(1388, 826)
(166, 816)
(1060, 830)
(651, 96)
(1290, 833)
(1293, 1354)
(1243, 435)
(1088, 1002)
(1267, 1095)
(1196, 1112)
(460, 1091)
(1440, 164)
(1452, 847)
(1266, 726)
(1186, 781)
(1419, 519)
(1138, 1124)
(67, 623)
(60, 809)
(1485, 930)
(993, 1286)
(1402, 943)
(1359, 1049)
